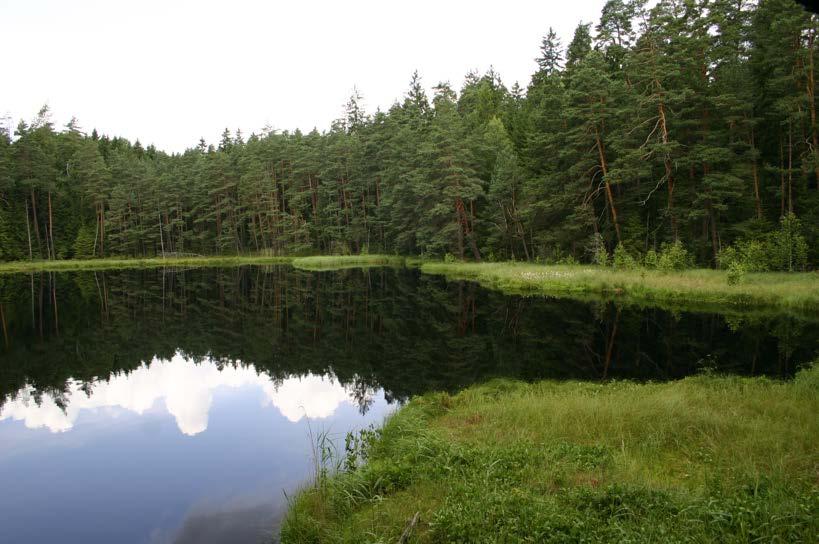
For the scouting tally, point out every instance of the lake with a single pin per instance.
(159, 406)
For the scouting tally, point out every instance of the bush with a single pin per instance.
(650, 260)
(449, 258)
(752, 256)
(788, 248)
(622, 260)
(736, 273)
(568, 260)
(673, 257)
(597, 248)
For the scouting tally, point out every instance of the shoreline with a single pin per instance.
(705, 458)
(697, 289)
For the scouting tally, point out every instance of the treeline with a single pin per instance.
(693, 121)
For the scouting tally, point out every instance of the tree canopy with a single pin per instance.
(690, 121)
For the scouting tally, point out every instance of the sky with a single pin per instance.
(170, 72)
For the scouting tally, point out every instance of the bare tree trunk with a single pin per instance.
(755, 169)
(5, 327)
(790, 168)
(610, 345)
(51, 228)
(36, 222)
(161, 238)
(781, 177)
(28, 231)
(605, 168)
(102, 230)
(53, 282)
(811, 91)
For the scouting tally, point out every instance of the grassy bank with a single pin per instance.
(703, 459)
(337, 262)
(109, 264)
(708, 289)
(689, 289)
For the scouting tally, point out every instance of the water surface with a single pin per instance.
(177, 405)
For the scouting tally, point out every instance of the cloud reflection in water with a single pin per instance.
(187, 389)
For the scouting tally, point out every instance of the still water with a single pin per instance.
(159, 406)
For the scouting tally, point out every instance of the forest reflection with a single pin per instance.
(382, 328)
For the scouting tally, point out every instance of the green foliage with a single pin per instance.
(651, 260)
(705, 288)
(751, 255)
(788, 247)
(668, 122)
(736, 273)
(597, 250)
(9, 249)
(704, 459)
(622, 260)
(84, 243)
(673, 256)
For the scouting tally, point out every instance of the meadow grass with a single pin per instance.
(118, 263)
(704, 459)
(707, 289)
(338, 262)
(700, 289)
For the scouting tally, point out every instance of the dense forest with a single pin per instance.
(690, 122)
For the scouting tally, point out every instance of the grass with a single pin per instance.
(704, 459)
(706, 289)
(157, 262)
(337, 262)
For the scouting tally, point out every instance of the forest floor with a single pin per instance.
(705, 289)
(704, 459)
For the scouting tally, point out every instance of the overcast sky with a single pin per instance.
(169, 72)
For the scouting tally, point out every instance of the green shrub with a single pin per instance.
(568, 260)
(622, 260)
(597, 248)
(650, 260)
(449, 258)
(673, 257)
(751, 255)
(736, 273)
(788, 247)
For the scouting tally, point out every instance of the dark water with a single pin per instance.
(176, 406)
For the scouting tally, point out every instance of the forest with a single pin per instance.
(684, 124)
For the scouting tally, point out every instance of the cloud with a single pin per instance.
(187, 390)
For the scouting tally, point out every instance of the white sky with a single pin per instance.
(169, 72)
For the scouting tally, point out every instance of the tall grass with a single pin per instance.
(118, 263)
(704, 459)
(707, 288)
(336, 262)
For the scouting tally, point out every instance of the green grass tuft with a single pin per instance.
(118, 263)
(690, 289)
(337, 262)
(704, 459)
